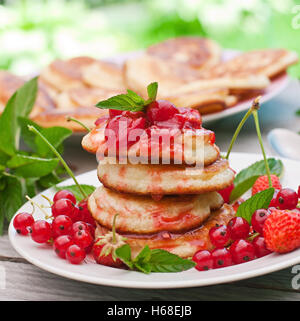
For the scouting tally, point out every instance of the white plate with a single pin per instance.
(45, 258)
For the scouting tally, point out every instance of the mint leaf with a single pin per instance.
(153, 260)
(88, 189)
(130, 101)
(11, 198)
(164, 261)
(152, 91)
(30, 166)
(49, 180)
(245, 179)
(55, 135)
(28, 136)
(256, 202)
(297, 112)
(124, 254)
(19, 105)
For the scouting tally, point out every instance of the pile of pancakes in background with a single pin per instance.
(190, 72)
(163, 205)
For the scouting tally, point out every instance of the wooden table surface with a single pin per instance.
(23, 281)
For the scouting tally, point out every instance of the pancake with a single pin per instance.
(168, 179)
(187, 146)
(103, 75)
(182, 244)
(65, 74)
(141, 214)
(193, 52)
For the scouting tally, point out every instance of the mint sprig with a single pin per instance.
(157, 260)
(130, 101)
(256, 202)
(245, 179)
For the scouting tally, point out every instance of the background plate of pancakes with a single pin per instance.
(45, 258)
(191, 71)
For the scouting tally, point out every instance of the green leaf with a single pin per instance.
(130, 101)
(26, 134)
(256, 202)
(152, 91)
(49, 180)
(124, 253)
(19, 105)
(30, 185)
(3, 158)
(30, 166)
(164, 261)
(297, 112)
(246, 178)
(88, 189)
(11, 197)
(55, 135)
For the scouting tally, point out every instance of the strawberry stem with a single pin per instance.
(237, 131)
(67, 168)
(256, 120)
(114, 240)
(79, 123)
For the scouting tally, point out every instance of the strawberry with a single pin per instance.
(225, 193)
(105, 247)
(282, 231)
(262, 183)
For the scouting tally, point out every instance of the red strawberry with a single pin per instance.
(105, 247)
(282, 231)
(225, 193)
(262, 183)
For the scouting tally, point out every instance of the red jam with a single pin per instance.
(160, 115)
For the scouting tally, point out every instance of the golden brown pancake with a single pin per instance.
(143, 215)
(189, 147)
(192, 52)
(167, 179)
(183, 244)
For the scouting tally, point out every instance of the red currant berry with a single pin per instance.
(258, 220)
(219, 236)
(83, 238)
(22, 223)
(204, 260)
(85, 214)
(64, 194)
(91, 229)
(65, 207)
(61, 244)
(78, 226)
(41, 231)
(238, 228)
(299, 191)
(221, 258)
(260, 246)
(287, 199)
(75, 254)
(273, 202)
(242, 251)
(61, 225)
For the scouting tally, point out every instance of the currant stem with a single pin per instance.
(47, 199)
(67, 168)
(33, 203)
(79, 123)
(237, 131)
(114, 240)
(255, 115)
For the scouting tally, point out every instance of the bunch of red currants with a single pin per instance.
(71, 230)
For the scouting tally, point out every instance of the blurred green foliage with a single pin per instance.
(33, 33)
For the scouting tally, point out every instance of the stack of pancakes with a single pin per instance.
(191, 71)
(166, 206)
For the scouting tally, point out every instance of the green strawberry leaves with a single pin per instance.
(245, 179)
(157, 260)
(256, 202)
(130, 101)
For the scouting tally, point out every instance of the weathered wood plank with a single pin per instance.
(26, 282)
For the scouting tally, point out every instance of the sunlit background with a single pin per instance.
(34, 32)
